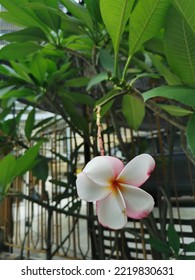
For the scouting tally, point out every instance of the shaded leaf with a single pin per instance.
(5, 90)
(184, 95)
(70, 25)
(175, 110)
(21, 71)
(97, 79)
(45, 11)
(25, 16)
(41, 169)
(173, 238)
(146, 20)
(77, 82)
(189, 247)
(16, 51)
(76, 97)
(94, 9)
(43, 122)
(190, 133)
(170, 77)
(107, 60)
(115, 15)
(38, 67)
(28, 160)
(186, 9)
(24, 35)
(79, 11)
(7, 172)
(180, 47)
(133, 110)
(160, 246)
(29, 125)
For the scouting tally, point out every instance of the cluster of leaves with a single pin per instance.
(171, 249)
(67, 56)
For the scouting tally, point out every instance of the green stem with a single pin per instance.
(126, 67)
(111, 98)
(116, 65)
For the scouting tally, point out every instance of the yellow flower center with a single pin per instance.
(116, 184)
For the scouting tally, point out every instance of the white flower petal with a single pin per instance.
(103, 169)
(138, 170)
(138, 202)
(111, 211)
(89, 190)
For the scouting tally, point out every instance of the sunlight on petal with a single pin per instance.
(138, 202)
(89, 190)
(111, 211)
(138, 170)
(102, 169)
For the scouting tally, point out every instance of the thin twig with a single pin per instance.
(99, 130)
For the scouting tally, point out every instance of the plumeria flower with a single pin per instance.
(115, 188)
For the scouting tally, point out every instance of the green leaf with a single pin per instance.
(45, 11)
(160, 246)
(21, 71)
(173, 238)
(7, 172)
(38, 67)
(189, 247)
(24, 35)
(70, 25)
(94, 9)
(179, 44)
(186, 10)
(79, 98)
(43, 122)
(79, 11)
(162, 68)
(155, 45)
(184, 95)
(6, 70)
(5, 90)
(41, 169)
(97, 79)
(133, 110)
(190, 133)
(106, 60)
(77, 82)
(17, 13)
(146, 20)
(176, 111)
(115, 15)
(16, 51)
(76, 118)
(44, 125)
(28, 160)
(10, 97)
(29, 124)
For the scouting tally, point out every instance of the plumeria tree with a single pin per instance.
(81, 61)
